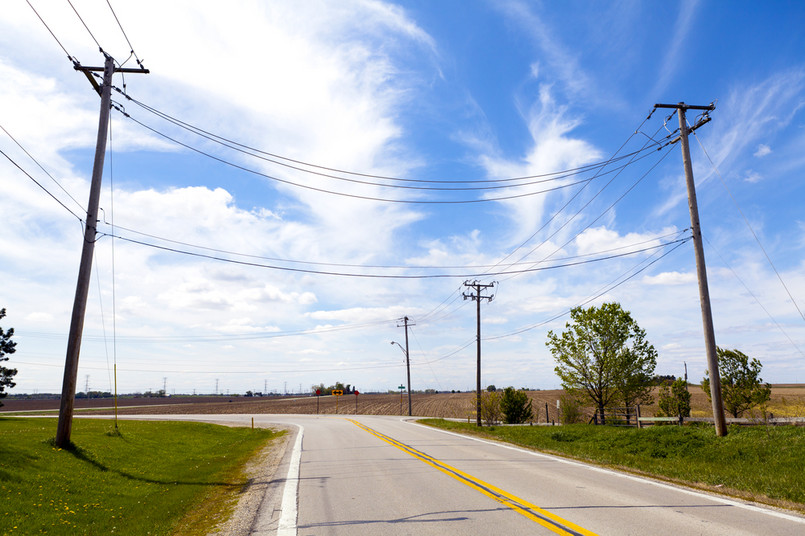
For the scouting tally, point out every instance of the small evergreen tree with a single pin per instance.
(516, 406)
(7, 347)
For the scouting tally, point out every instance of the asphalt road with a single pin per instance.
(383, 475)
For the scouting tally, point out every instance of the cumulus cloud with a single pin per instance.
(762, 150)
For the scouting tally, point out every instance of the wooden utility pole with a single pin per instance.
(407, 361)
(701, 270)
(65, 425)
(477, 297)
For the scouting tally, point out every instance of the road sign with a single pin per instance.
(401, 387)
(338, 392)
(356, 392)
(318, 392)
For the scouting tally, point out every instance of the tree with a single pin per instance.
(516, 406)
(490, 407)
(604, 355)
(675, 399)
(7, 347)
(741, 385)
(491, 388)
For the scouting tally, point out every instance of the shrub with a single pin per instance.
(570, 410)
(516, 406)
(490, 407)
(675, 399)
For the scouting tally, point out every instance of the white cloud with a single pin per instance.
(670, 278)
(762, 150)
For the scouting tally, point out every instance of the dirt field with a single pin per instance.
(787, 401)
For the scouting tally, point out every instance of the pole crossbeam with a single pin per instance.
(477, 297)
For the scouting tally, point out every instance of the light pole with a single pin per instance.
(408, 371)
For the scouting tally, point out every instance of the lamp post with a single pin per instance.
(407, 369)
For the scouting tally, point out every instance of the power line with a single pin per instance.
(246, 149)
(613, 286)
(131, 47)
(378, 276)
(343, 194)
(41, 186)
(85, 26)
(69, 57)
(573, 197)
(746, 220)
(757, 300)
(43, 169)
(373, 266)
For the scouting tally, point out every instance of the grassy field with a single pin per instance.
(149, 478)
(759, 463)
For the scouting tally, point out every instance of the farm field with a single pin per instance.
(787, 401)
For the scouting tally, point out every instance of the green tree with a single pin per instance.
(516, 406)
(7, 347)
(491, 388)
(490, 407)
(570, 410)
(741, 385)
(675, 399)
(604, 355)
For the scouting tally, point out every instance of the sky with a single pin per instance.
(360, 161)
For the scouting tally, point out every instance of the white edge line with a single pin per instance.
(716, 498)
(289, 511)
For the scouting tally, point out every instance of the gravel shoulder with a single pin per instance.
(258, 507)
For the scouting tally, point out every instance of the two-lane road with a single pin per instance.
(385, 475)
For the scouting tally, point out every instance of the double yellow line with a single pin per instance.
(533, 512)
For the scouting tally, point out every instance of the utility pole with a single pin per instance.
(477, 297)
(407, 360)
(65, 425)
(701, 270)
(164, 386)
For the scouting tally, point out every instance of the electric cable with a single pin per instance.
(613, 286)
(69, 57)
(246, 149)
(342, 194)
(41, 186)
(746, 220)
(85, 26)
(63, 189)
(576, 194)
(378, 276)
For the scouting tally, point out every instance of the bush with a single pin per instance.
(674, 400)
(570, 410)
(490, 407)
(516, 406)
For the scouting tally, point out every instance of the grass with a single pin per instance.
(148, 478)
(752, 462)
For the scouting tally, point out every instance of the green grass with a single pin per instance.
(753, 462)
(147, 479)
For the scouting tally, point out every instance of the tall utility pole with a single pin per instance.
(477, 297)
(701, 270)
(67, 404)
(405, 320)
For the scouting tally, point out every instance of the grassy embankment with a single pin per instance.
(150, 478)
(753, 462)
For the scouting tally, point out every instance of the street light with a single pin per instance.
(407, 369)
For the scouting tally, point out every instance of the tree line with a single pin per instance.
(604, 358)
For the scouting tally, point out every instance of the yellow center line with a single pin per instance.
(533, 512)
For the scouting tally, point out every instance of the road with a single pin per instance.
(384, 475)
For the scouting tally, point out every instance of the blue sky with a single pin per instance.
(423, 91)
